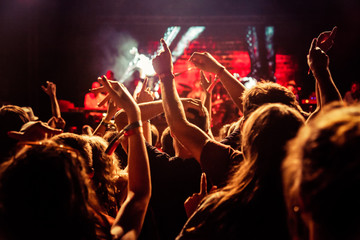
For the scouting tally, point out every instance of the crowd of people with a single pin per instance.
(276, 172)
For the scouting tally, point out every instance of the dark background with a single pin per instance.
(73, 42)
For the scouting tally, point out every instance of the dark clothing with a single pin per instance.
(264, 217)
(173, 180)
(218, 161)
(233, 139)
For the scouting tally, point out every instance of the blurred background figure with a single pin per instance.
(92, 99)
(110, 75)
(291, 85)
(353, 95)
(134, 82)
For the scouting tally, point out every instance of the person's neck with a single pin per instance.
(183, 154)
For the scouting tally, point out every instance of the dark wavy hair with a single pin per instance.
(45, 192)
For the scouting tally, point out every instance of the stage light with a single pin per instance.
(248, 82)
(144, 62)
(191, 34)
(169, 37)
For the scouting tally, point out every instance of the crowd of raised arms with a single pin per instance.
(277, 172)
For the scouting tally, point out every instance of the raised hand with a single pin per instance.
(205, 62)
(50, 89)
(317, 58)
(111, 109)
(325, 40)
(192, 202)
(102, 89)
(204, 81)
(207, 84)
(57, 122)
(162, 63)
(145, 94)
(119, 94)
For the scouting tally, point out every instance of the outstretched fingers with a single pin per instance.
(333, 33)
(203, 184)
(143, 87)
(104, 100)
(105, 82)
(313, 44)
(194, 57)
(165, 46)
(97, 90)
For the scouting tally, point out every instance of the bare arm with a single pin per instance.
(188, 134)
(208, 63)
(319, 65)
(50, 90)
(103, 125)
(56, 120)
(145, 95)
(318, 61)
(207, 86)
(129, 220)
(152, 109)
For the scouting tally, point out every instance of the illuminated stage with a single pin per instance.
(72, 43)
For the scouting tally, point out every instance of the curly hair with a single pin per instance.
(44, 186)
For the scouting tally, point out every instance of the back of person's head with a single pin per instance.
(110, 74)
(45, 195)
(266, 132)
(80, 143)
(95, 84)
(321, 173)
(12, 118)
(167, 142)
(106, 173)
(255, 183)
(119, 151)
(355, 85)
(268, 92)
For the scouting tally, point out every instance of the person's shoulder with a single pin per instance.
(214, 145)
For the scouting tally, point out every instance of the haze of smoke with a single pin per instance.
(115, 47)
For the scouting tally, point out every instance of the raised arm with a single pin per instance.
(207, 86)
(56, 121)
(130, 218)
(145, 95)
(152, 109)
(105, 123)
(208, 63)
(188, 134)
(318, 62)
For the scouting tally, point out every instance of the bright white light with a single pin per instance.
(191, 34)
(248, 82)
(144, 62)
(146, 65)
(169, 37)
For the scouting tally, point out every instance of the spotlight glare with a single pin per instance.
(191, 34)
